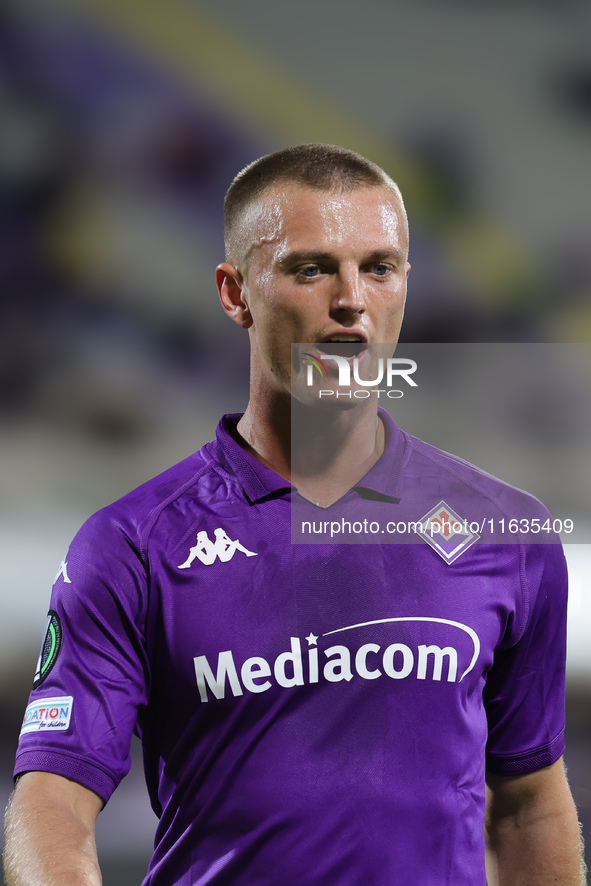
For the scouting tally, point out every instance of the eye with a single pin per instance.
(380, 269)
(309, 271)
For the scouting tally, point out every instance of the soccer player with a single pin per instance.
(322, 714)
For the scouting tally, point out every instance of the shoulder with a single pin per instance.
(444, 470)
(467, 498)
(196, 482)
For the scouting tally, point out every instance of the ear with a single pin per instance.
(231, 289)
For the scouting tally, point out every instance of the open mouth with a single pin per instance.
(347, 346)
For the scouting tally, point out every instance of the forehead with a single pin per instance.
(292, 217)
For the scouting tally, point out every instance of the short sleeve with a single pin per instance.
(525, 690)
(92, 677)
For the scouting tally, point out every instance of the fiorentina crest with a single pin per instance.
(446, 532)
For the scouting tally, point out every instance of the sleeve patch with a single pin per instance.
(48, 714)
(50, 648)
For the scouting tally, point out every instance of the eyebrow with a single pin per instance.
(314, 256)
(296, 258)
(383, 254)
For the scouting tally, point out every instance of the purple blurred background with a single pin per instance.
(121, 126)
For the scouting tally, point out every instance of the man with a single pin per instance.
(310, 713)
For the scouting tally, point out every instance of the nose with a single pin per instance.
(348, 297)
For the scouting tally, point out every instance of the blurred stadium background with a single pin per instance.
(121, 125)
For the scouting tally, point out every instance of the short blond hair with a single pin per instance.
(315, 165)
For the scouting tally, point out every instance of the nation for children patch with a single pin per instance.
(50, 648)
(48, 715)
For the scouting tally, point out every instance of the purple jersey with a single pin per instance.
(311, 714)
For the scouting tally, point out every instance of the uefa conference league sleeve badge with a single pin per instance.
(50, 648)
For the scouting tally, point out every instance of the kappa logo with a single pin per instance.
(207, 551)
(446, 532)
(63, 571)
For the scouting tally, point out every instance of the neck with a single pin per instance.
(323, 452)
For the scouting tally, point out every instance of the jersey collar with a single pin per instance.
(256, 479)
(259, 481)
(382, 481)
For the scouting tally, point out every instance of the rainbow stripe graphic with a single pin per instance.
(317, 362)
